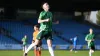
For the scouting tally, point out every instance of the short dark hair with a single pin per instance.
(44, 3)
(37, 26)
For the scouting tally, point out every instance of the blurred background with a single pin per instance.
(17, 18)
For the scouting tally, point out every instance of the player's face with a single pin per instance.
(35, 28)
(46, 6)
(91, 31)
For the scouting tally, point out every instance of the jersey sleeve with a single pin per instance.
(40, 16)
(86, 37)
(22, 39)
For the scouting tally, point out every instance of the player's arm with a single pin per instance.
(45, 20)
(53, 20)
(22, 39)
(40, 19)
(87, 39)
(33, 38)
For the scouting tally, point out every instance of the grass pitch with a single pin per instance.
(46, 53)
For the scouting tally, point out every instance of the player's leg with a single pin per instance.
(89, 46)
(32, 45)
(90, 51)
(49, 42)
(72, 48)
(92, 48)
(29, 48)
(75, 48)
(35, 50)
(25, 48)
(48, 37)
(35, 43)
(39, 51)
(39, 48)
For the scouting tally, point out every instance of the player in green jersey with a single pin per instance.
(90, 40)
(45, 20)
(24, 40)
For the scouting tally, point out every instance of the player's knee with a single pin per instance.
(49, 42)
(39, 48)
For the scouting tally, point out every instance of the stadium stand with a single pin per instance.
(67, 28)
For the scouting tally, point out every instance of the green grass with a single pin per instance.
(46, 53)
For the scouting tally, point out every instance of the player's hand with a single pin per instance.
(57, 22)
(92, 40)
(47, 20)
